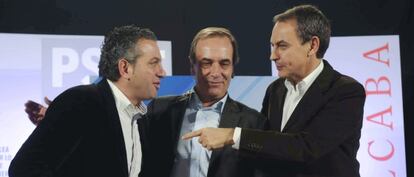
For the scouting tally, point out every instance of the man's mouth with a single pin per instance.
(279, 66)
(215, 83)
(157, 85)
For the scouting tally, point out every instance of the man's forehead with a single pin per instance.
(211, 53)
(145, 42)
(214, 43)
(282, 31)
(147, 46)
(209, 49)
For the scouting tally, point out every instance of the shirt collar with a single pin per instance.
(123, 103)
(196, 103)
(303, 85)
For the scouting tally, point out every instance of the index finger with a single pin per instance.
(191, 135)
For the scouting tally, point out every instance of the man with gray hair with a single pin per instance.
(92, 130)
(213, 55)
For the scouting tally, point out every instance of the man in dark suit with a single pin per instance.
(213, 55)
(315, 113)
(91, 130)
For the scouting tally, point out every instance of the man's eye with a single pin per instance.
(154, 62)
(283, 46)
(205, 64)
(226, 63)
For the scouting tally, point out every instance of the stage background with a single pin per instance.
(53, 63)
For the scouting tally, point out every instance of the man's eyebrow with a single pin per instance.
(281, 42)
(206, 59)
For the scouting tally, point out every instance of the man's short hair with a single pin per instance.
(310, 22)
(118, 44)
(210, 32)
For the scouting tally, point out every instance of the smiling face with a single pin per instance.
(293, 59)
(213, 67)
(146, 71)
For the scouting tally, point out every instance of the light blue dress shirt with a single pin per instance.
(192, 159)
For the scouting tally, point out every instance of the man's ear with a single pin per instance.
(314, 45)
(192, 67)
(123, 68)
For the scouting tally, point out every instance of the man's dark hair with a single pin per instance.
(310, 22)
(120, 43)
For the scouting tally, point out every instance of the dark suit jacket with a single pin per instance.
(165, 119)
(81, 135)
(320, 139)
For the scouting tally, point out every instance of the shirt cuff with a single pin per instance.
(236, 138)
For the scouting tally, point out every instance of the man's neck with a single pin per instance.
(124, 89)
(314, 63)
(207, 101)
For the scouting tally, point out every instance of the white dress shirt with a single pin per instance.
(128, 115)
(293, 96)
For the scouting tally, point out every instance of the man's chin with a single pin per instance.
(281, 75)
(216, 94)
(151, 96)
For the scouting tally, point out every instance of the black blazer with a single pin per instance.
(165, 116)
(320, 139)
(81, 135)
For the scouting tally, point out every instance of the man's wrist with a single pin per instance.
(230, 137)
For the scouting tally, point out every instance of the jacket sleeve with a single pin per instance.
(55, 138)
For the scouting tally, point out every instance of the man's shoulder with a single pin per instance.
(80, 90)
(249, 117)
(75, 104)
(340, 84)
(84, 88)
(170, 99)
(344, 79)
(241, 107)
(78, 95)
(276, 83)
(349, 83)
(338, 79)
(164, 103)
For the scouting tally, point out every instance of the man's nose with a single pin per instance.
(274, 55)
(215, 69)
(161, 72)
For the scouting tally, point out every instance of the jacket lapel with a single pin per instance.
(275, 108)
(229, 119)
(308, 102)
(313, 97)
(114, 124)
(177, 115)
